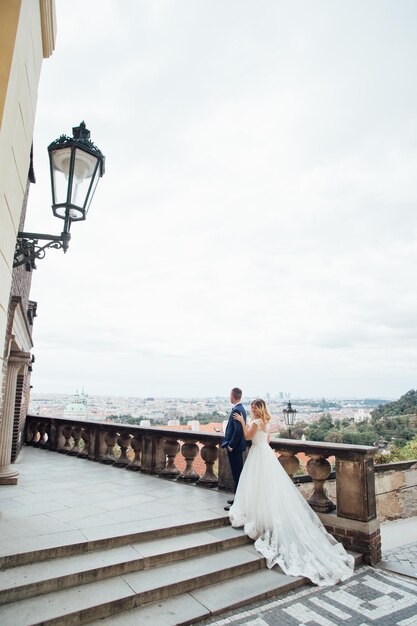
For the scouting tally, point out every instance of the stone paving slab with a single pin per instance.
(402, 560)
(398, 532)
(370, 597)
(397, 568)
(63, 499)
(403, 554)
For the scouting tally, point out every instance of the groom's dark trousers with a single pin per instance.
(236, 465)
(235, 439)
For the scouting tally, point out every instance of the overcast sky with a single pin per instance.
(257, 221)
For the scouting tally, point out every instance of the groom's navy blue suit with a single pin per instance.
(235, 439)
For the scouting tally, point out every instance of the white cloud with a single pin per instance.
(256, 224)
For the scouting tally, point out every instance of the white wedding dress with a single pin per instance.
(287, 531)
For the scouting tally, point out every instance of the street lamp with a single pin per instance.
(289, 417)
(76, 166)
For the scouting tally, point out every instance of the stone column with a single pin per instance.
(226, 481)
(153, 454)
(355, 488)
(8, 475)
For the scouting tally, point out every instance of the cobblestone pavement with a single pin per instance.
(370, 597)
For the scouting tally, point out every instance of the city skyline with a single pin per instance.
(171, 411)
(256, 224)
(275, 397)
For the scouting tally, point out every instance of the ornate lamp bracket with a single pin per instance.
(28, 249)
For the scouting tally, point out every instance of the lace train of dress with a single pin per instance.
(287, 531)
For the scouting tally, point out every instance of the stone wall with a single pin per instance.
(27, 36)
(396, 490)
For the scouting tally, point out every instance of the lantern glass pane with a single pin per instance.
(85, 173)
(60, 166)
(93, 188)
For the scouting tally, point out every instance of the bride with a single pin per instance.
(273, 511)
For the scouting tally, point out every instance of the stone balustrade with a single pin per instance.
(172, 454)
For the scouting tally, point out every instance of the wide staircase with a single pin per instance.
(168, 575)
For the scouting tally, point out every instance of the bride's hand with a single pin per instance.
(238, 417)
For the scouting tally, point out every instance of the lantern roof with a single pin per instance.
(81, 139)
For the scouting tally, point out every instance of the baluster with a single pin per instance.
(123, 440)
(189, 451)
(289, 461)
(136, 445)
(31, 433)
(40, 433)
(110, 439)
(67, 434)
(85, 436)
(76, 434)
(60, 439)
(171, 448)
(319, 469)
(209, 454)
(44, 436)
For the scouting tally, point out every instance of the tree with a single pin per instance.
(333, 436)
(405, 453)
(407, 404)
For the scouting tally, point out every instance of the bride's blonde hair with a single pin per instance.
(260, 410)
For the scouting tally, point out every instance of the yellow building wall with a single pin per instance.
(27, 35)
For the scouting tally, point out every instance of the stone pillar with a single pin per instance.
(153, 454)
(226, 481)
(8, 475)
(355, 488)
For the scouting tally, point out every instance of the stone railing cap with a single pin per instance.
(331, 448)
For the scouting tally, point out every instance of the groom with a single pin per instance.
(234, 439)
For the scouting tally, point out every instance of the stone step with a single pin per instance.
(210, 600)
(98, 600)
(69, 571)
(46, 547)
